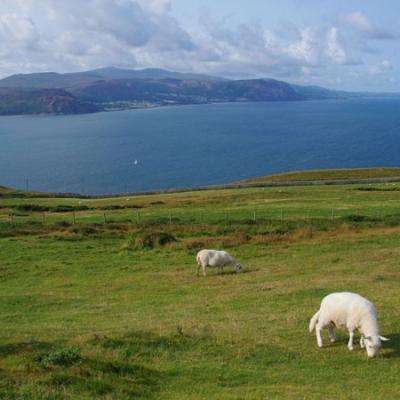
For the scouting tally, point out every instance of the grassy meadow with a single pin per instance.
(329, 174)
(100, 300)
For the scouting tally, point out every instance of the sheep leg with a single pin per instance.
(331, 334)
(351, 336)
(318, 329)
(204, 270)
(362, 345)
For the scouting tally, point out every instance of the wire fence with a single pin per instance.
(165, 217)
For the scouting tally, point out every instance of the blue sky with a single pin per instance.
(297, 11)
(352, 45)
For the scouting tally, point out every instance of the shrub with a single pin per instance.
(62, 224)
(148, 241)
(84, 230)
(195, 245)
(64, 357)
(357, 218)
(68, 208)
(119, 207)
(30, 207)
(158, 239)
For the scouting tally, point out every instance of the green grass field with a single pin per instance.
(94, 307)
(329, 174)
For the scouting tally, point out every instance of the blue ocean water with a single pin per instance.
(195, 145)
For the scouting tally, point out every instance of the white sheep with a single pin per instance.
(351, 311)
(215, 258)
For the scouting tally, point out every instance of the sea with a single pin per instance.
(195, 145)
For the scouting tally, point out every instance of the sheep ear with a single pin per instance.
(384, 339)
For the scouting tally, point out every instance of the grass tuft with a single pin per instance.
(65, 357)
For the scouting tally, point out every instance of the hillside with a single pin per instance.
(328, 174)
(167, 91)
(41, 101)
(49, 80)
(4, 190)
(113, 88)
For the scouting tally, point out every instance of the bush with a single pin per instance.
(68, 208)
(158, 239)
(84, 230)
(357, 218)
(148, 241)
(64, 357)
(195, 245)
(62, 224)
(57, 208)
(119, 207)
(30, 207)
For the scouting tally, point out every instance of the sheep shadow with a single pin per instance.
(233, 272)
(216, 274)
(392, 347)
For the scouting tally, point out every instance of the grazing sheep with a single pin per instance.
(351, 311)
(215, 258)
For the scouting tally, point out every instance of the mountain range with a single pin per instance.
(112, 88)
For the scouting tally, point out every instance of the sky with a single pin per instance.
(340, 44)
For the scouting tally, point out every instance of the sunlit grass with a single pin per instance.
(329, 174)
(87, 312)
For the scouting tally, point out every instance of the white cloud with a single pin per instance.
(361, 24)
(19, 32)
(156, 6)
(61, 35)
(334, 50)
(306, 48)
(358, 21)
(381, 68)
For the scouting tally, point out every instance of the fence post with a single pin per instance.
(105, 218)
(73, 217)
(11, 218)
(254, 216)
